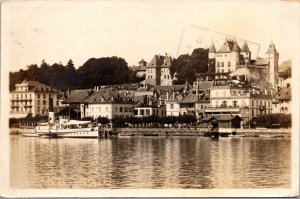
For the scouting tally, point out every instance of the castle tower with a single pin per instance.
(212, 51)
(246, 53)
(235, 55)
(273, 56)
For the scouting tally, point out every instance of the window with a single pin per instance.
(147, 111)
(225, 55)
(218, 64)
(222, 70)
(172, 106)
(229, 64)
(44, 96)
(218, 71)
(228, 70)
(121, 109)
(222, 63)
(44, 102)
(142, 111)
(234, 103)
(135, 112)
(252, 102)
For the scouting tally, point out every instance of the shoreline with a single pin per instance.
(283, 132)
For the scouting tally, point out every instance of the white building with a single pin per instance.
(109, 104)
(238, 100)
(32, 97)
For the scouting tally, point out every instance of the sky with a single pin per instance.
(61, 30)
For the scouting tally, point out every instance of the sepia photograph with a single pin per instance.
(150, 98)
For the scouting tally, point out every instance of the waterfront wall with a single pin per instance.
(199, 131)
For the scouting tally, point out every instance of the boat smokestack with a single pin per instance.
(51, 111)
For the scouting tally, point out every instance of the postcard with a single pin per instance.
(149, 99)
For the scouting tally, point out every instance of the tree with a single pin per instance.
(186, 66)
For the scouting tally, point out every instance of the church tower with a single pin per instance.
(273, 56)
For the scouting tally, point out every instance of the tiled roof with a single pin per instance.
(37, 86)
(205, 85)
(212, 48)
(271, 49)
(229, 46)
(142, 61)
(78, 96)
(106, 95)
(190, 98)
(245, 47)
(143, 68)
(261, 62)
(178, 87)
(160, 61)
(284, 94)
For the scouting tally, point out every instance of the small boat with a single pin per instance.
(268, 136)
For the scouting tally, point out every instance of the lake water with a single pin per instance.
(150, 162)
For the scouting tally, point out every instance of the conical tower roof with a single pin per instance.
(245, 47)
(236, 47)
(271, 48)
(212, 48)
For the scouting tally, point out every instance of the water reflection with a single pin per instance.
(145, 162)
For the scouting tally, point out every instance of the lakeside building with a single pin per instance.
(158, 71)
(282, 101)
(108, 103)
(228, 98)
(75, 98)
(31, 97)
(150, 106)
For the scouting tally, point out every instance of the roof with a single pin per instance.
(143, 68)
(221, 118)
(261, 62)
(212, 48)
(78, 96)
(205, 85)
(178, 87)
(142, 61)
(229, 46)
(284, 94)
(245, 47)
(271, 49)
(190, 98)
(160, 61)
(106, 95)
(37, 86)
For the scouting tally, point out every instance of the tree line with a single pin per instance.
(94, 72)
(146, 121)
(107, 71)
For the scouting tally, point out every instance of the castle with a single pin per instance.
(230, 58)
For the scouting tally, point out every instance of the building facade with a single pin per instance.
(234, 100)
(32, 97)
(158, 71)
